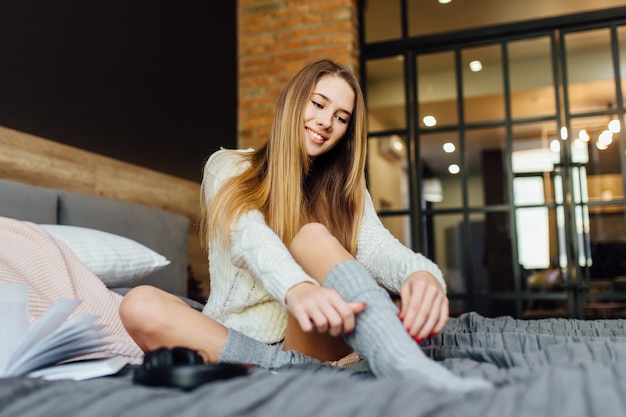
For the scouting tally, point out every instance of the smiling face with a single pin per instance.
(327, 114)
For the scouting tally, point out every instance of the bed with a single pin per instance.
(549, 367)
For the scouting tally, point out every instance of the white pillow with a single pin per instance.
(116, 260)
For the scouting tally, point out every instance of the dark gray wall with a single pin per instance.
(151, 82)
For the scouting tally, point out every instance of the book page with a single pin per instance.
(82, 370)
(13, 319)
(48, 341)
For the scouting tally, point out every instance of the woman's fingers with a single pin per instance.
(322, 310)
(341, 315)
(357, 307)
(424, 306)
(425, 313)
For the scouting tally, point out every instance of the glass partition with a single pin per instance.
(436, 89)
(382, 20)
(590, 76)
(531, 78)
(385, 89)
(483, 85)
(387, 173)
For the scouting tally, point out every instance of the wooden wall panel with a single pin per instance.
(38, 161)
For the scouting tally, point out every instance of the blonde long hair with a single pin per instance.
(289, 188)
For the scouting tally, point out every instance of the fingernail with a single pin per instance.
(430, 336)
(419, 339)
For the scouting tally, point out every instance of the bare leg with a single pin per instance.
(317, 252)
(155, 318)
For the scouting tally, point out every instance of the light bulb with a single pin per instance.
(475, 66)
(449, 147)
(429, 121)
(614, 126)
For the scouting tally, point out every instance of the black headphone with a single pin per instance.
(182, 368)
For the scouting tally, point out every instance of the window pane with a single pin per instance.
(483, 88)
(385, 93)
(498, 258)
(532, 83)
(596, 146)
(532, 242)
(448, 250)
(536, 147)
(436, 88)
(476, 257)
(382, 20)
(430, 17)
(486, 166)
(387, 173)
(591, 84)
(607, 235)
(441, 161)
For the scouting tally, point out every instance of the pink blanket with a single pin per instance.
(29, 256)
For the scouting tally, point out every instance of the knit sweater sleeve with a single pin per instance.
(254, 246)
(259, 250)
(386, 258)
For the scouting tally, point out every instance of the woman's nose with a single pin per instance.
(324, 119)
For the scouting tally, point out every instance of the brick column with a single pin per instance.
(275, 39)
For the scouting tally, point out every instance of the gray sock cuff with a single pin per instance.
(240, 348)
(350, 279)
(236, 344)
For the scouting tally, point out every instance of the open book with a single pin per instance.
(49, 342)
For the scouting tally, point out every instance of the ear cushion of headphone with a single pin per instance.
(184, 356)
(182, 368)
(159, 358)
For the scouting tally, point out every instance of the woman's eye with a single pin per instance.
(316, 104)
(342, 119)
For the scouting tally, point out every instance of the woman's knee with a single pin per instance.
(141, 308)
(311, 234)
(316, 250)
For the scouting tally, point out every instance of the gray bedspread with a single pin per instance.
(551, 367)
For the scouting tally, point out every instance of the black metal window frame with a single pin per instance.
(457, 41)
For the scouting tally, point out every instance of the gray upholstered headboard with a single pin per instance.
(160, 230)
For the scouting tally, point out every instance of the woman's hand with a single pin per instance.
(425, 309)
(321, 309)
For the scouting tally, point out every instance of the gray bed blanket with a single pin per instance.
(551, 367)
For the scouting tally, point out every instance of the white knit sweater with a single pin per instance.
(250, 279)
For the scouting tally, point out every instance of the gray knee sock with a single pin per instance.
(240, 348)
(380, 337)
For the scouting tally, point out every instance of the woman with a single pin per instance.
(294, 244)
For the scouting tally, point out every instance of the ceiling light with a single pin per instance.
(614, 126)
(563, 133)
(475, 66)
(454, 169)
(583, 135)
(397, 144)
(555, 146)
(444, 1)
(449, 147)
(429, 121)
(605, 139)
